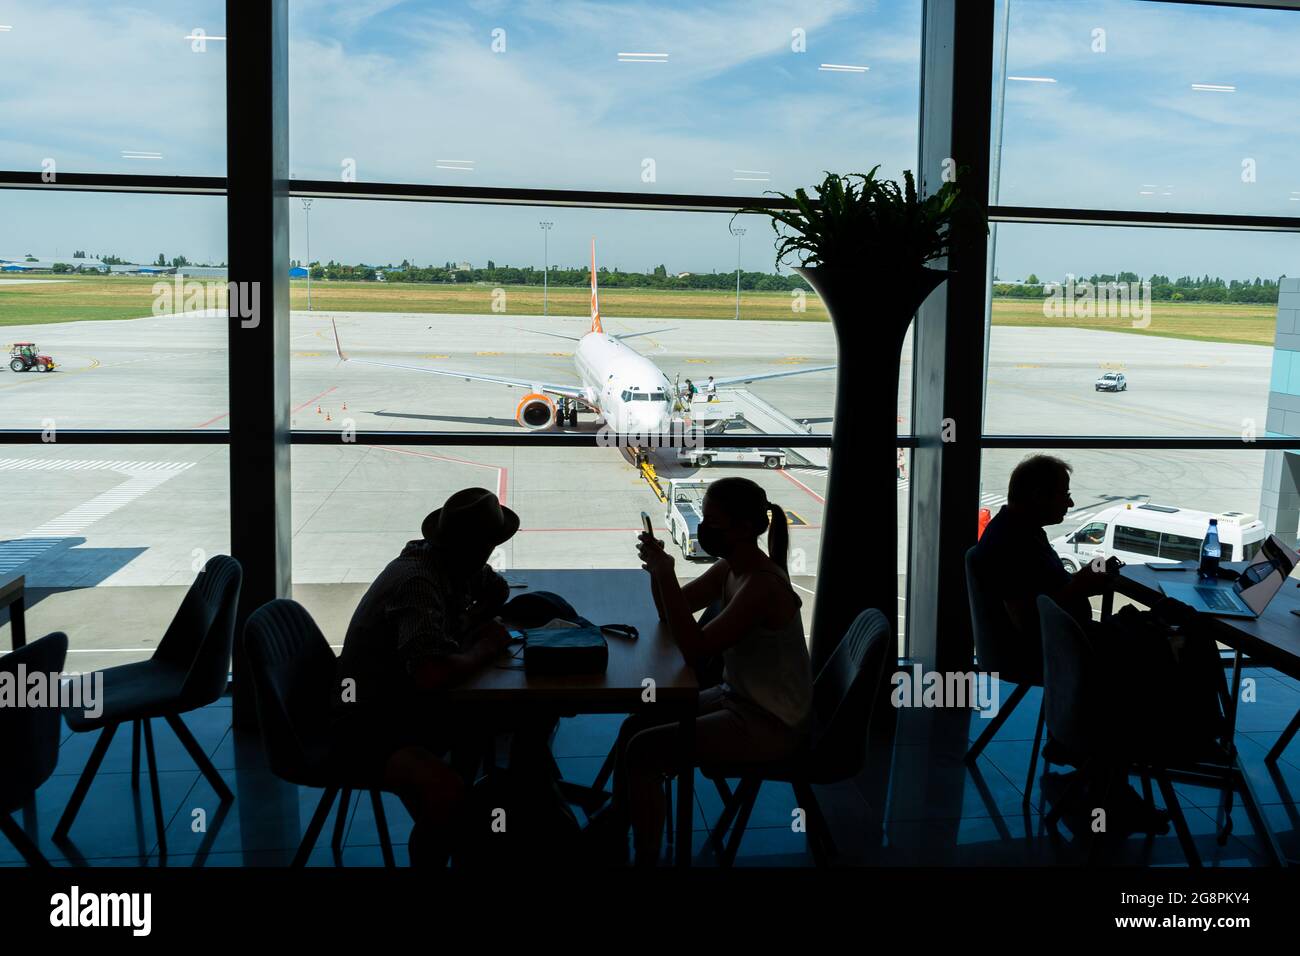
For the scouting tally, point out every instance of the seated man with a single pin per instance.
(1018, 564)
(425, 624)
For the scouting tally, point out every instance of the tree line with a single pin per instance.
(1163, 289)
(560, 277)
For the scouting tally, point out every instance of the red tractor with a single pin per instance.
(23, 357)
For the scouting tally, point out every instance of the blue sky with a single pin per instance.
(399, 89)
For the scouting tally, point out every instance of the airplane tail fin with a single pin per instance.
(595, 297)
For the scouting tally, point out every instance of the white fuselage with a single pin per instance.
(631, 393)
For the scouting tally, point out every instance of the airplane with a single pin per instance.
(619, 385)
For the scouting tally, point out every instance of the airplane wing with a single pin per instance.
(568, 391)
(746, 379)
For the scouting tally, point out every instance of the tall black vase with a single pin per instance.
(858, 564)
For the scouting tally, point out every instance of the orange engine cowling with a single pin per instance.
(535, 412)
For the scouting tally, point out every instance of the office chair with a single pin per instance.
(29, 741)
(1000, 652)
(294, 679)
(188, 671)
(844, 696)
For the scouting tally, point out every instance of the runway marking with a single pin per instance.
(141, 478)
(310, 400)
(789, 477)
(500, 469)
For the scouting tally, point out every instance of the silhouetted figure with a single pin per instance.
(1019, 564)
(762, 709)
(426, 623)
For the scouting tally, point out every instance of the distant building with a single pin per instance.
(297, 272)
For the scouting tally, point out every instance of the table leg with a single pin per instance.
(685, 785)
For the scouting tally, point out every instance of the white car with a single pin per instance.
(1111, 382)
(1157, 534)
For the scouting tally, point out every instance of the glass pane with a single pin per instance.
(355, 507)
(482, 290)
(713, 98)
(1188, 318)
(1147, 106)
(1157, 504)
(108, 538)
(110, 88)
(123, 299)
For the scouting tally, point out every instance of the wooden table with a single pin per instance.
(12, 597)
(607, 597)
(1271, 640)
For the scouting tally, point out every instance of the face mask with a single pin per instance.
(713, 541)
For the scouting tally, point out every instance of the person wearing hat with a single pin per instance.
(426, 623)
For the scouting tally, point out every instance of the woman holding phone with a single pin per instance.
(762, 709)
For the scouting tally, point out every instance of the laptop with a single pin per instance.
(1250, 593)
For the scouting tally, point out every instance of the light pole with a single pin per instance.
(738, 233)
(546, 259)
(306, 208)
(995, 183)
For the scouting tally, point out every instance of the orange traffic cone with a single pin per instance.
(327, 417)
(345, 406)
(317, 409)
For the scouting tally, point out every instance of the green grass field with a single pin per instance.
(128, 297)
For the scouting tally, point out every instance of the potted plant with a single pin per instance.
(864, 246)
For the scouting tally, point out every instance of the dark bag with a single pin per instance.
(516, 818)
(565, 650)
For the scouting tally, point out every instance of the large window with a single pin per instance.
(719, 98)
(1130, 104)
(135, 89)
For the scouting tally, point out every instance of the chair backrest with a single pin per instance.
(997, 643)
(1067, 671)
(201, 636)
(844, 697)
(29, 736)
(294, 679)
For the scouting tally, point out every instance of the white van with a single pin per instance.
(1157, 534)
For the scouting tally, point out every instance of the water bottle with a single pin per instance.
(1210, 551)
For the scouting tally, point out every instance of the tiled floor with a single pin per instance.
(940, 812)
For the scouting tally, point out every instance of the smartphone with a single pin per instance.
(645, 523)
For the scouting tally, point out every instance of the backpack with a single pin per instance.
(516, 819)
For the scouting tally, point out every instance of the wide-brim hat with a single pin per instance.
(471, 515)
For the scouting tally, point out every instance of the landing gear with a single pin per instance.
(567, 413)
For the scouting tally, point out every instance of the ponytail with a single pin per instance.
(778, 536)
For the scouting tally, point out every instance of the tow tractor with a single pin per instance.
(23, 357)
(683, 510)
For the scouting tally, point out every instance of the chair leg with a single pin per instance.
(1033, 757)
(83, 784)
(1281, 743)
(606, 769)
(746, 796)
(147, 728)
(730, 807)
(341, 819)
(199, 757)
(23, 843)
(668, 808)
(135, 755)
(995, 724)
(314, 827)
(1054, 814)
(381, 823)
(819, 832)
(1179, 821)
